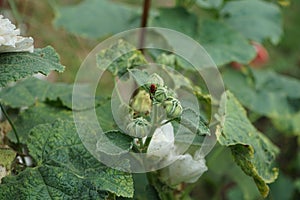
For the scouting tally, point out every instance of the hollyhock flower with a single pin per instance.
(183, 168)
(10, 39)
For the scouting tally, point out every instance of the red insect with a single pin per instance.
(152, 88)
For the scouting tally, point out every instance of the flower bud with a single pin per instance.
(172, 107)
(138, 127)
(142, 103)
(161, 94)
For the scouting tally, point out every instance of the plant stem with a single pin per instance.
(15, 11)
(144, 20)
(10, 122)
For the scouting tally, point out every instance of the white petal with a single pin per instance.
(162, 142)
(22, 44)
(184, 169)
(10, 41)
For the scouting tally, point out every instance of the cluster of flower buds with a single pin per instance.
(158, 94)
(161, 94)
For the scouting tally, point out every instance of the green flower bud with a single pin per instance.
(172, 107)
(142, 103)
(161, 94)
(138, 127)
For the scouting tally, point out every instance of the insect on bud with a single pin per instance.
(172, 107)
(138, 127)
(152, 88)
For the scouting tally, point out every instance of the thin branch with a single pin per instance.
(144, 21)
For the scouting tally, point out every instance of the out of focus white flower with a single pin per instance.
(10, 39)
(184, 168)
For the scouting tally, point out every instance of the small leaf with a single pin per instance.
(257, 20)
(120, 57)
(194, 122)
(252, 151)
(141, 77)
(15, 66)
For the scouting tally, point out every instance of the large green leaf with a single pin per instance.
(41, 113)
(65, 169)
(38, 114)
(269, 94)
(256, 19)
(224, 44)
(178, 19)
(29, 91)
(252, 151)
(95, 19)
(15, 66)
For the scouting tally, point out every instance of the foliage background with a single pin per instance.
(36, 18)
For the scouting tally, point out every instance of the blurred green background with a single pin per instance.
(35, 19)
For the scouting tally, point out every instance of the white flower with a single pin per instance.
(10, 41)
(184, 168)
(161, 143)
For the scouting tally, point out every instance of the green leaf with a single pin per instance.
(178, 19)
(252, 151)
(95, 19)
(123, 143)
(38, 114)
(224, 44)
(257, 20)
(29, 91)
(120, 57)
(141, 77)
(65, 169)
(6, 158)
(194, 122)
(283, 188)
(15, 66)
(268, 93)
(289, 125)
